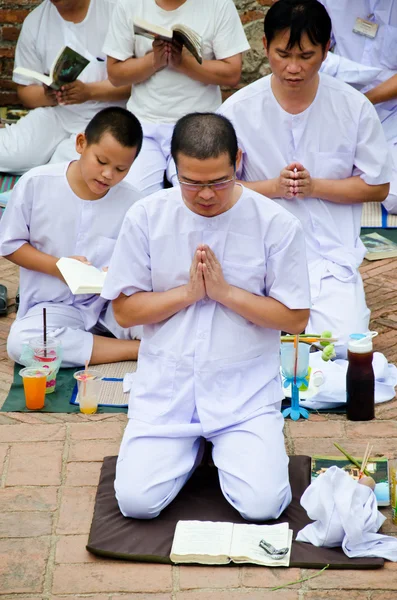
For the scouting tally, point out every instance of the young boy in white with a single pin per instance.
(213, 272)
(167, 82)
(73, 210)
(50, 129)
(314, 145)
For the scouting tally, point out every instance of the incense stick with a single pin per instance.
(45, 331)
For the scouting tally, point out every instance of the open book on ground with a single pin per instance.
(181, 33)
(378, 246)
(81, 278)
(66, 67)
(216, 543)
(378, 469)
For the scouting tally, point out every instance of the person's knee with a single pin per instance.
(15, 343)
(138, 501)
(264, 504)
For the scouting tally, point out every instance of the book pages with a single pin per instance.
(245, 543)
(202, 541)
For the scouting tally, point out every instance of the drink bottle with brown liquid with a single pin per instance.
(360, 379)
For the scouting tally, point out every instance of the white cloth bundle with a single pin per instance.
(345, 514)
(333, 391)
(348, 70)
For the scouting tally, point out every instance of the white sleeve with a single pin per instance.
(15, 222)
(119, 42)
(230, 38)
(130, 270)
(26, 54)
(372, 159)
(287, 278)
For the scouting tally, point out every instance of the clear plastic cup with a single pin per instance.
(288, 359)
(47, 354)
(88, 388)
(34, 385)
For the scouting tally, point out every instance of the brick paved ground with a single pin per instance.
(49, 467)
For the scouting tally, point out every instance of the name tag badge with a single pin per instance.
(367, 28)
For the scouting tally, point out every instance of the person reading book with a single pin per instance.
(48, 132)
(213, 271)
(73, 210)
(316, 147)
(167, 81)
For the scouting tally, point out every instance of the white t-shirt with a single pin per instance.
(233, 363)
(43, 35)
(45, 212)
(337, 136)
(168, 95)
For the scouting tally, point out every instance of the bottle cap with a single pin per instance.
(361, 343)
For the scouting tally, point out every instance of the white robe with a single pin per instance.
(46, 213)
(207, 371)
(163, 98)
(377, 55)
(337, 136)
(49, 133)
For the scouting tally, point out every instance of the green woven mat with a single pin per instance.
(57, 402)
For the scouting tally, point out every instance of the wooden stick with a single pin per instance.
(352, 460)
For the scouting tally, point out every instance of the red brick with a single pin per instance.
(111, 576)
(10, 33)
(143, 597)
(354, 446)
(313, 429)
(25, 525)
(27, 576)
(7, 52)
(372, 428)
(3, 454)
(208, 577)
(92, 451)
(338, 595)
(251, 15)
(77, 506)
(237, 595)
(82, 473)
(71, 549)
(28, 499)
(12, 16)
(269, 578)
(97, 431)
(31, 433)
(383, 579)
(35, 463)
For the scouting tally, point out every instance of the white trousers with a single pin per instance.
(65, 323)
(390, 203)
(32, 141)
(155, 461)
(147, 171)
(341, 308)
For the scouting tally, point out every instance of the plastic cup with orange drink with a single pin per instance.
(88, 388)
(34, 385)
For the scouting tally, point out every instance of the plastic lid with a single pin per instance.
(361, 343)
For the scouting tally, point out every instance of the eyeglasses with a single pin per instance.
(197, 187)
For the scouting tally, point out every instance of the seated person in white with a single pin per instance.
(73, 209)
(316, 147)
(49, 130)
(213, 271)
(167, 82)
(374, 44)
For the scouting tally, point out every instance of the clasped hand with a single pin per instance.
(206, 276)
(76, 92)
(294, 182)
(166, 54)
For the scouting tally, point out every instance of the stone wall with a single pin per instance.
(13, 12)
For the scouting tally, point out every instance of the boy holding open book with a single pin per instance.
(213, 271)
(72, 209)
(167, 81)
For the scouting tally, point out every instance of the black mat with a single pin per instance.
(115, 536)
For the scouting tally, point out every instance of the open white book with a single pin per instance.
(67, 66)
(183, 34)
(216, 543)
(81, 278)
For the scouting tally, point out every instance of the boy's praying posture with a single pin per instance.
(72, 209)
(213, 271)
(315, 145)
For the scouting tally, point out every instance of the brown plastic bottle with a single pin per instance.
(360, 380)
